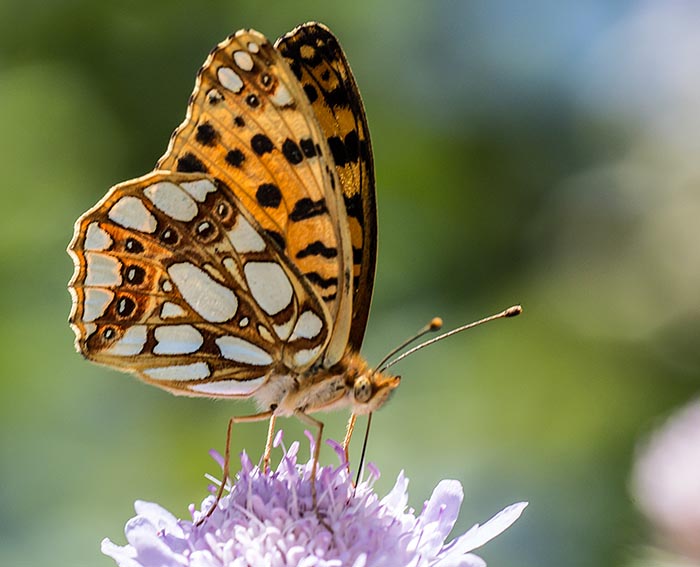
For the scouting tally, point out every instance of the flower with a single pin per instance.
(666, 482)
(268, 519)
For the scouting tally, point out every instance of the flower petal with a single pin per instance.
(397, 499)
(143, 536)
(123, 555)
(439, 516)
(479, 535)
(158, 516)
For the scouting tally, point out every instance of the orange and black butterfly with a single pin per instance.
(243, 265)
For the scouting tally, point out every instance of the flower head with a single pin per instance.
(666, 481)
(268, 519)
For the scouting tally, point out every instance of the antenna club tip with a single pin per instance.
(513, 311)
(436, 324)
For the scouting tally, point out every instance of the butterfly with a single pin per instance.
(243, 265)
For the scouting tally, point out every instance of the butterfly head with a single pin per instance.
(369, 388)
(370, 391)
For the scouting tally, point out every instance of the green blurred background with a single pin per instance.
(536, 152)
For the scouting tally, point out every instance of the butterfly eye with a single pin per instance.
(362, 390)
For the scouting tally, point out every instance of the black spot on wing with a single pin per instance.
(206, 134)
(316, 279)
(235, 158)
(307, 208)
(311, 93)
(357, 255)
(269, 195)
(277, 238)
(292, 152)
(134, 274)
(261, 144)
(125, 306)
(338, 97)
(307, 146)
(190, 163)
(169, 236)
(337, 147)
(295, 66)
(353, 206)
(317, 248)
(134, 246)
(352, 146)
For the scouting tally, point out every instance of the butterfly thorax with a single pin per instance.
(350, 383)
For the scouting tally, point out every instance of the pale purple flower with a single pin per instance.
(268, 519)
(666, 482)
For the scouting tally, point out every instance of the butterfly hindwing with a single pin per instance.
(320, 65)
(176, 282)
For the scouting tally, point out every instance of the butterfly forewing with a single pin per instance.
(318, 62)
(250, 124)
(176, 282)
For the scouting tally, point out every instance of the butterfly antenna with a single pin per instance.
(364, 449)
(510, 312)
(434, 325)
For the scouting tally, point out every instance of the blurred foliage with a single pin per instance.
(541, 152)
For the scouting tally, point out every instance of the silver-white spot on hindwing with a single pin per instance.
(284, 329)
(130, 212)
(229, 79)
(194, 371)
(199, 189)
(308, 326)
(96, 303)
(172, 200)
(102, 270)
(177, 339)
(245, 238)
(269, 286)
(130, 343)
(304, 357)
(96, 238)
(229, 387)
(240, 350)
(214, 302)
(171, 310)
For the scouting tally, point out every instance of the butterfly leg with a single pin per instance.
(227, 456)
(313, 422)
(268, 444)
(346, 442)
